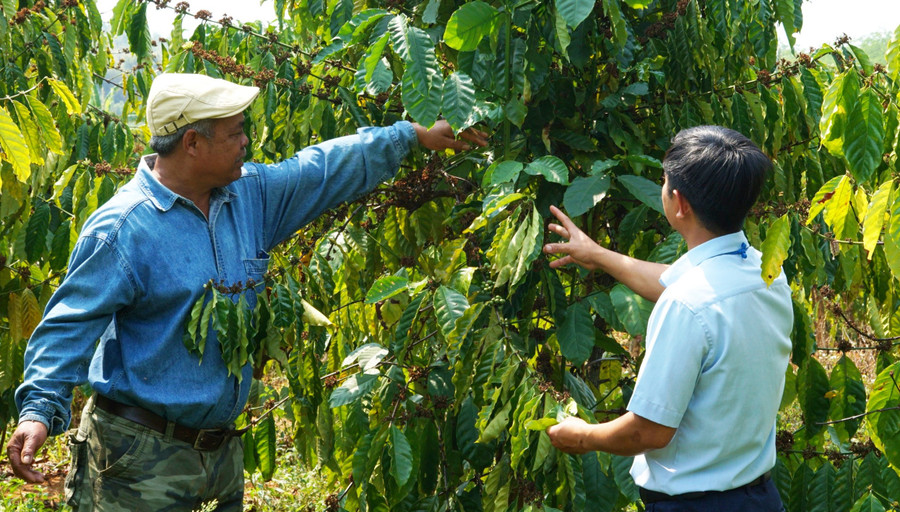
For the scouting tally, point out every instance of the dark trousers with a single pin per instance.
(758, 498)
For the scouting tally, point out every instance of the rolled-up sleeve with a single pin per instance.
(320, 177)
(677, 345)
(98, 284)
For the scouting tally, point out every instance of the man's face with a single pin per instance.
(223, 154)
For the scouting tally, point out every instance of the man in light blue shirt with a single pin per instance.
(701, 420)
(155, 435)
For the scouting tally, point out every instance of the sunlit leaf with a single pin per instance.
(875, 213)
(385, 288)
(13, 144)
(551, 168)
(449, 305)
(469, 24)
(775, 248)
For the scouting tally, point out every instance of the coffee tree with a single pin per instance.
(422, 339)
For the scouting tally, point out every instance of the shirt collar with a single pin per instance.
(162, 197)
(725, 244)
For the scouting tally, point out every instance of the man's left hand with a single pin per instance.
(570, 435)
(440, 137)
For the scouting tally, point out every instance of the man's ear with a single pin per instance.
(189, 142)
(683, 207)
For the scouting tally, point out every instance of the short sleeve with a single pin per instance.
(677, 344)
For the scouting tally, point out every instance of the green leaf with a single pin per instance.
(643, 190)
(576, 334)
(785, 11)
(868, 503)
(422, 83)
(139, 33)
(838, 209)
(264, 436)
(459, 100)
(812, 388)
(48, 128)
(62, 91)
(875, 213)
(574, 11)
(824, 194)
(352, 389)
(469, 24)
(551, 168)
(631, 309)
(864, 136)
(36, 232)
(373, 55)
(821, 489)
(613, 10)
(449, 305)
(584, 193)
(497, 425)
(13, 143)
(600, 488)
(401, 457)
(849, 399)
(501, 172)
(840, 97)
(600, 166)
(385, 288)
(775, 248)
(884, 413)
(892, 56)
(541, 424)
(892, 237)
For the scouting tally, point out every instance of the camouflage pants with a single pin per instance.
(120, 465)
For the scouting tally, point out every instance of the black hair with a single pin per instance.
(719, 172)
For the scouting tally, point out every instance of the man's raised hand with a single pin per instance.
(579, 249)
(440, 137)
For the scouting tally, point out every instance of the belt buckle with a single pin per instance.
(209, 439)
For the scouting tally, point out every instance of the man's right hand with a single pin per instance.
(579, 249)
(22, 447)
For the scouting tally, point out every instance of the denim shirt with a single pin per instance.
(141, 262)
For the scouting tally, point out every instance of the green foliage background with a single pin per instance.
(418, 331)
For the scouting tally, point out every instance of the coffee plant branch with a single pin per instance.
(839, 311)
(26, 91)
(858, 416)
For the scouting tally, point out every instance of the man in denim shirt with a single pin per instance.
(155, 434)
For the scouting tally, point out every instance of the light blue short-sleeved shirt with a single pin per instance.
(718, 345)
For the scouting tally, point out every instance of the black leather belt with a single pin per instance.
(201, 439)
(648, 496)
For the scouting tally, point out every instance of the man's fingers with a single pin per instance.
(562, 262)
(563, 218)
(474, 136)
(559, 230)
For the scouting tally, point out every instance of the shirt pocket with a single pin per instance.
(255, 269)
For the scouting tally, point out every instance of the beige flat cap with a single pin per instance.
(178, 99)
